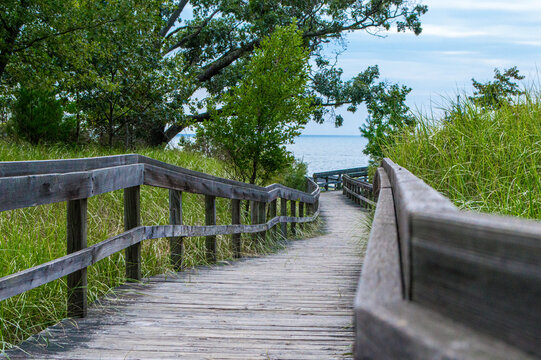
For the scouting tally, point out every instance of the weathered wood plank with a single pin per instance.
(283, 212)
(236, 241)
(24, 191)
(262, 219)
(176, 244)
(293, 211)
(410, 195)
(253, 309)
(76, 237)
(39, 167)
(132, 219)
(359, 197)
(482, 270)
(210, 219)
(273, 207)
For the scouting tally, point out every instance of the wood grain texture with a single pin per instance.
(24, 191)
(388, 327)
(176, 243)
(210, 219)
(481, 270)
(132, 219)
(76, 236)
(294, 304)
(410, 195)
(236, 241)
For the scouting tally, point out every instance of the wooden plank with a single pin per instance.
(301, 213)
(262, 219)
(293, 211)
(236, 241)
(76, 236)
(410, 195)
(160, 177)
(359, 197)
(40, 167)
(283, 212)
(273, 208)
(28, 279)
(275, 306)
(481, 270)
(210, 219)
(340, 171)
(46, 189)
(176, 244)
(132, 219)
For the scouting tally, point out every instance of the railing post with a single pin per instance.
(272, 212)
(132, 218)
(283, 212)
(76, 237)
(344, 185)
(210, 219)
(301, 214)
(326, 183)
(294, 214)
(175, 218)
(254, 216)
(235, 220)
(262, 220)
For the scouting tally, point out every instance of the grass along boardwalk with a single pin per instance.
(294, 304)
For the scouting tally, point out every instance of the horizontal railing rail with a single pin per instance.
(435, 276)
(333, 178)
(359, 191)
(31, 183)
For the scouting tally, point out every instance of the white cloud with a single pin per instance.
(483, 5)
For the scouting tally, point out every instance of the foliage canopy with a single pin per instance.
(266, 110)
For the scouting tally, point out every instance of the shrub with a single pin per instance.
(39, 117)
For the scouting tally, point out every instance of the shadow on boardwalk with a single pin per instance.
(295, 304)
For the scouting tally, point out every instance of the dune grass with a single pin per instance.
(32, 236)
(483, 160)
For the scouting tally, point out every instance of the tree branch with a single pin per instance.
(173, 18)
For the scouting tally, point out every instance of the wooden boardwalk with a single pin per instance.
(295, 304)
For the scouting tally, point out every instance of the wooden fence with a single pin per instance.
(439, 283)
(359, 191)
(333, 179)
(31, 183)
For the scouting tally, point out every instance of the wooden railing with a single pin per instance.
(30, 183)
(333, 179)
(359, 191)
(442, 283)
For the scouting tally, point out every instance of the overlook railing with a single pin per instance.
(31, 183)
(359, 191)
(439, 283)
(333, 179)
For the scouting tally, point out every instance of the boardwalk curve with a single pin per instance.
(295, 304)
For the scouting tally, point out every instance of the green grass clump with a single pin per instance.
(483, 160)
(32, 236)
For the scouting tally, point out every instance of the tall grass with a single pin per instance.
(32, 236)
(484, 160)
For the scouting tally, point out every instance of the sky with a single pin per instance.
(461, 40)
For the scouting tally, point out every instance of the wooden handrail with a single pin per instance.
(360, 191)
(333, 178)
(434, 276)
(30, 183)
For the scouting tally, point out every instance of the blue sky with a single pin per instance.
(461, 39)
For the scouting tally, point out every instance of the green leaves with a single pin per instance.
(494, 94)
(388, 116)
(266, 110)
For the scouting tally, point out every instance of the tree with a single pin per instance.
(388, 116)
(266, 110)
(38, 117)
(493, 94)
(218, 41)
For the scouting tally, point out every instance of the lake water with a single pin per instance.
(329, 152)
(325, 152)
